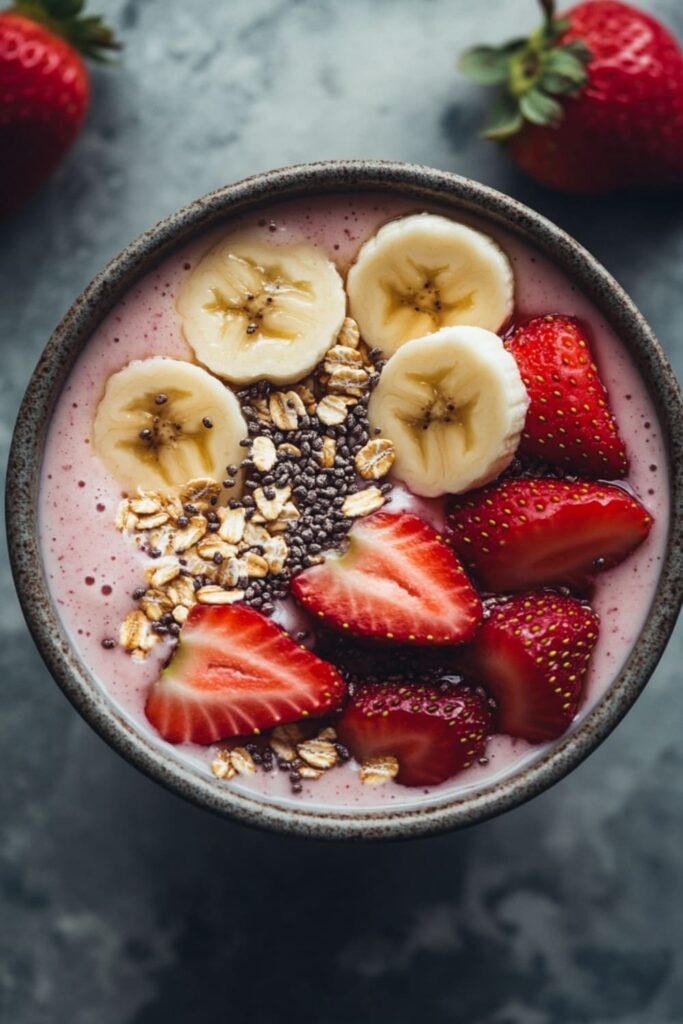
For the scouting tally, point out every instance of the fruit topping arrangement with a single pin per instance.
(367, 539)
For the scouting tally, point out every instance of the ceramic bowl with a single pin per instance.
(459, 196)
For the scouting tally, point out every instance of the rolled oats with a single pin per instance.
(362, 503)
(213, 545)
(151, 522)
(283, 740)
(222, 766)
(228, 572)
(145, 505)
(231, 529)
(202, 492)
(163, 570)
(275, 552)
(242, 761)
(279, 526)
(270, 508)
(254, 566)
(135, 633)
(305, 393)
(347, 380)
(318, 753)
(181, 592)
(349, 334)
(162, 539)
(180, 613)
(333, 409)
(285, 750)
(290, 450)
(285, 409)
(263, 453)
(197, 566)
(375, 459)
(125, 517)
(307, 772)
(328, 733)
(260, 407)
(377, 771)
(289, 512)
(212, 594)
(254, 535)
(190, 534)
(340, 356)
(328, 452)
(155, 604)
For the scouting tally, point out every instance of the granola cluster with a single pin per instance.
(310, 468)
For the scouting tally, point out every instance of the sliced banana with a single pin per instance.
(253, 309)
(162, 422)
(424, 272)
(454, 405)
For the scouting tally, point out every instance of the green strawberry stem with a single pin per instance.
(530, 74)
(87, 34)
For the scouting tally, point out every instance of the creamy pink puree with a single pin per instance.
(92, 569)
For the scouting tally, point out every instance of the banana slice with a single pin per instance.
(162, 422)
(454, 405)
(253, 309)
(424, 272)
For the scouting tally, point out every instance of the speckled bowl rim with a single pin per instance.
(427, 185)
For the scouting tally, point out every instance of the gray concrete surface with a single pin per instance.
(122, 905)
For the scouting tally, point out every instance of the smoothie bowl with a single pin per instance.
(346, 502)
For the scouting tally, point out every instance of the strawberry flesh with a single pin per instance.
(397, 581)
(569, 421)
(521, 534)
(235, 673)
(434, 732)
(531, 655)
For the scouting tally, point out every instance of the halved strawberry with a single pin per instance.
(433, 732)
(569, 421)
(532, 654)
(234, 673)
(397, 581)
(520, 534)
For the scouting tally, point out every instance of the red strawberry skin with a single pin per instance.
(434, 733)
(398, 581)
(531, 655)
(625, 128)
(235, 673)
(569, 421)
(521, 534)
(44, 96)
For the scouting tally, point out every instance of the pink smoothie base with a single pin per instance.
(92, 569)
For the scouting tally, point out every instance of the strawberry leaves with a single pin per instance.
(489, 65)
(87, 34)
(531, 73)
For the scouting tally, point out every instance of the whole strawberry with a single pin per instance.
(44, 89)
(592, 101)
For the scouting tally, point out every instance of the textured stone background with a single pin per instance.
(122, 905)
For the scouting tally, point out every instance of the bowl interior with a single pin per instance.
(416, 812)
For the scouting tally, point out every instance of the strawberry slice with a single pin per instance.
(521, 534)
(398, 581)
(234, 673)
(532, 654)
(433, 732)
(569, 421)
